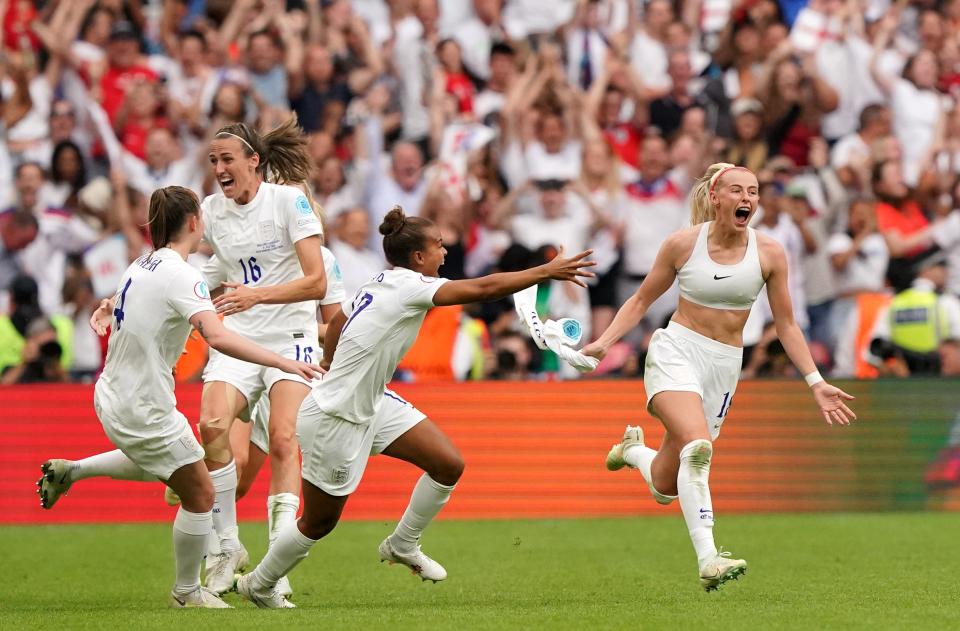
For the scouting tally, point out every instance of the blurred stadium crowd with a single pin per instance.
(520, 126)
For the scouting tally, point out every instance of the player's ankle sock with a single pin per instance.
(281, 510)
(113, 464)
(427, 499)
(641, 458)
(190, 532)
(225, 506)
(290, 547)
(695, 501)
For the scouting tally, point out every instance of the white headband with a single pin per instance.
(226, 133)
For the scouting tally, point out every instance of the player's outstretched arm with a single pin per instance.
(830, 399)
(229, 343)
(496, 286)
(661, 276)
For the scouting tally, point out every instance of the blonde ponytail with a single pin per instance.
(701, 210)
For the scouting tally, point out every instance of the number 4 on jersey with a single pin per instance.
(118, 310)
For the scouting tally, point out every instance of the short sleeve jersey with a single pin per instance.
(157, 296)
(384, 320)
(335, 292)
(254, 243)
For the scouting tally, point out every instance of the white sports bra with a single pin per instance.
(705, 282)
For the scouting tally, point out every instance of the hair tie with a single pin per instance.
(240, 138)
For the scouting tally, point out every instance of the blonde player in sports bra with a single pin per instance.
(159, 299)
(351, 414)
(693, 365)
(267, 239)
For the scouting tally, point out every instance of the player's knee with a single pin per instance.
(448, 470)
(200, 498)
(317, 527)
(696, 455)
(283, 447)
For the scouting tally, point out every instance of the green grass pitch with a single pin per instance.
(877, 571)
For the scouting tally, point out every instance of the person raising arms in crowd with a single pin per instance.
(159, 298)
(693, 365)
(351, 414)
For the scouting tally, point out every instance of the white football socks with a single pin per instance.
(190, 531)
(640, 457)
(113, 464)
(225, 506)
(281, 509)
(290, 547)
(695, 502)
(427, 499)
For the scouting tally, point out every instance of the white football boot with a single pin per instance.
(261, 597)
(419, 563)
(222, 568)
(54, 482)
(720, 569)
(631, 436)
(200, 598)
(170, 496)
(283, 586)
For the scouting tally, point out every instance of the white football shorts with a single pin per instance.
(335, 451)
(683, 360)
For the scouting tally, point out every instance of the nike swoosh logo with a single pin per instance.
(715, 277)
(704, 510)
(183, 603)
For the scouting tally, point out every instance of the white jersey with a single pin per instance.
(383, 323)
(335, 292)
(254, 244)
(157, 296)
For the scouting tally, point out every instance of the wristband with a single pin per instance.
(813, 378)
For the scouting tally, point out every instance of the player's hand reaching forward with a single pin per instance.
(831, 401)
(238, 300)
(102, 318)
(571, 269)
(305, 370)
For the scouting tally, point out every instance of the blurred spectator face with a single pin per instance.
(891, 184)
(788, 76)
(17, 230)
(28, 182)
(657, 15)
(678, 36)
(319, 65)
(770, 197)
(763, 11)
(97, 31)
(747, 126)
(338, 14)
(610, 107)
(160, 148)
(192, 51)
(428, 13)
(922, 70)
(67, 164)
(62, 120)
(354, 228)
(683, 150)
(488, 11)
(123, 52)
(234, 171)
(142, 100)
(654, 158)
(930, 30)
(228, 102)
(319, 146)
(746, 40)
(887, 148)
(774, 35)
(407, 164)
(501, 69)
(881, 123)
(553, 199)
(449, 56)
(553, 132)
(863, 218)
(694, 122)
(329, 176)
(679, 68)
(262, 53)
(597, 160)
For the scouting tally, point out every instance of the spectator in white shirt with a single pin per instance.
(358, 262)
(850, 156)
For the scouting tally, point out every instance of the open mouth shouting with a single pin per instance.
(227, 185)
(741, 215)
